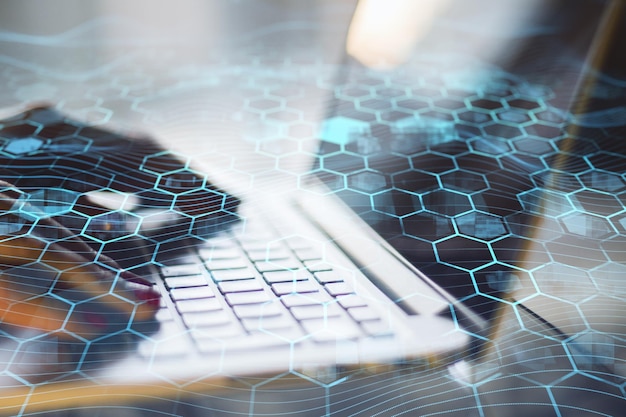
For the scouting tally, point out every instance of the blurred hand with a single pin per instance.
(53, 235)
(50, 279)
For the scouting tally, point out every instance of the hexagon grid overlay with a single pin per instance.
(493, 186)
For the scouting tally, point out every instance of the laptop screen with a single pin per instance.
(459, 155)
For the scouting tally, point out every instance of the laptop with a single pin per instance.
(313, 284)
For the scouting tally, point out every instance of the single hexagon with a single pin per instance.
(496, 201)
(23, 146)
(51, 201)
(446, 103)
(493, 146)
(605, 314)
(580, 252)
(608, 161)
(368, 181)
(352, 91)
(474, 117)
(524, 104)
(564, 282)
(480, 164)
(264, 104)
(413, 104)
(480, 225)
(572, 164)
(485, 104)
(20, 130)
(427, 226)
(609, 278)
(462, 181)
(546, 202)
(464, 252)
(373, 104)
(396, 202)
(10, 224)
(557, 180)
(598, 203)
(513, 116)
(519, 163)
(164, 162)
(180, 182)
(446, 202)
(433, 163)
(499, 280)
(533, 146)
(69, 145)
(110, 226)
(533, 226)
(500, 130)
(284, 115)
(342, 163)
(415, 181)
(552, 115)
(57, 130)
(520, 252)
(587, 225)
(603, 181)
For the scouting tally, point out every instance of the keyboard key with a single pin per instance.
(283, 288)
(259, 340)
(181, 270)
(278, 265)
(363, 314)
(218, 264)
(377, 328)
(186, 281)
(224, 331)
(205, 304)
(232, 274)
(206, 318)
(251, 297)
(287, 276)
(240, 286)
(326, 330)
(269, 254)
(318, 311)
(338, 288)
(191, 293)
(351, 300)
(293, 300)
(258, 310)
(213, 254)
(268, 323)
(317, 265)
(328, 276)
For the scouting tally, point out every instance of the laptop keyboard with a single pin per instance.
(256, 290)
